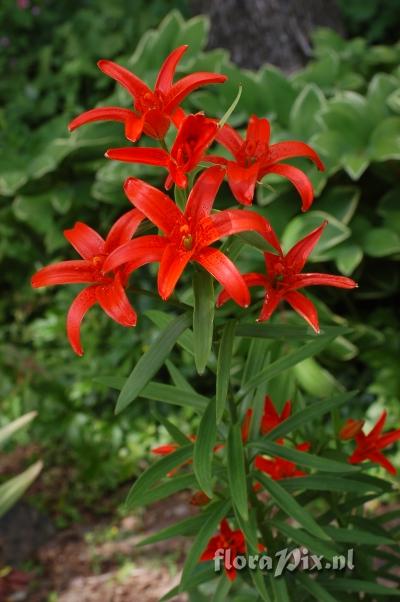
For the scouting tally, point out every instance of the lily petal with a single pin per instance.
(271, 302)
(232, 221)
(376, 431)
(289, 149)
(302, 280)
(380, 458)
(230, 139)
(258, 130)
(388, 438)
(113, 300)
(242, 181)
(227, 274)
(203, 193)
(65, 272)
(102, 114)
(167, 71)
(136, 252)
(172, 264)
(123, 229)
(188, 84)
(77, 311)
(155, 205)
(86, 241)
(304, 307)
(297, 256)
(299, 180)
(148, 156)
(135, 86)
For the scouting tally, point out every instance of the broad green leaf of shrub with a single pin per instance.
(340, 202)
(385, 140)
(348, 257)
(305, 109)
(380, 242)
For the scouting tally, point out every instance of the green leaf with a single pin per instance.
(385, 140)
(357, 536)
(208, 529)
(348, 257)
(222, 590)
(156, 472)
(340, 201)
(169, 487)
(7, 431)
(274, 331)
(236, 470)
(14, 488)
(314, 379)
(177, 377)
(314, 588)
(303, 122)
(224, 366)
(202, 574)
(380, 242)
(316, 545)
(187, 526)
(291, 507)
(162, 320)
(203, 318)
(322, 483)
(342, 584)
(301, 458)
(287, 361)
(177, 435)
(160, 392)
(204, 449)
(151, 361)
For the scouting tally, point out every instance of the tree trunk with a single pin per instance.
(268, 31)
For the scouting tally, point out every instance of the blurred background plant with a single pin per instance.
(345, 102)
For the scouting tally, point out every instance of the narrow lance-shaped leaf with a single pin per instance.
(224, 366)
(204, 449)
(12, 427)
(12, 490)
(291, 507)
(287, 361)
(236, 471)
(302, 458)
(203, 318)
(177, 435)
(151, 361)
(155, 472)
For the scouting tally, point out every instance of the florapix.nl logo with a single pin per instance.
(283, 560)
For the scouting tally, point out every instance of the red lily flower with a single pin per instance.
(369, 446)
(255, 157)
(284, 278)
(271, 418)
(280, 468)
(226, 539)
(105, 289)
(194, 136)
(350, 428)
(189, 234)
(153, 109)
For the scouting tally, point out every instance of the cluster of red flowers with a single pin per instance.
(187, 234)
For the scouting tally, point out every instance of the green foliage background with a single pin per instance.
(346, 103)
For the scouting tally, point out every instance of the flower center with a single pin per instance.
(186, 237)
